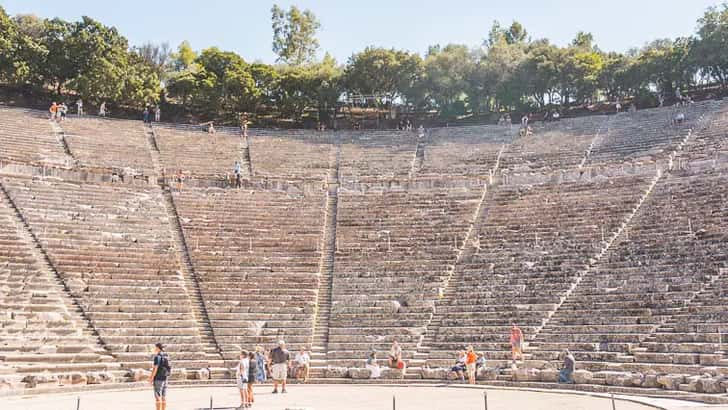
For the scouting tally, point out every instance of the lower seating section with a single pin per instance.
(107, 143)
(377, 154)
(290, 157)
(192, 151)
(530, 245)
(394, 250)
(40, 332)
(646, 134)
(671, 251)
(112, 246)
(257, 255)
(26, 135)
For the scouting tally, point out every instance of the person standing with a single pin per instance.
(261, 361)
(53, 110)
(280, 357)
(62, 110)
(79, 107)
(243, 370)
(252, 373)
(238, 177)
(102, 109)
(145, 115)
(157, 114)
(160, 374)
(470, 359)
(516, 343)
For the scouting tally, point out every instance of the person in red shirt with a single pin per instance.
(516, 343)
(470, 359)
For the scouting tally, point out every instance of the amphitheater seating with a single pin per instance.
(531, 243)
(26, 135)
(376, 155)
(40, 331)
(290, 156)
(112, 246)
(257, 254)
(193, 151)
(107, 143)
(394, 250)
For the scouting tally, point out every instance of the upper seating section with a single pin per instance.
(256, 254)
(107, 143)
(469, 151)
(646, 134)
(372, 155)
(394, 251)
(289, 156)
(39, 330)
(112, 245)
(530, 245)
(193, 151)
(27, 136)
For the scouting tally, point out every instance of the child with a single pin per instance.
(242, 378)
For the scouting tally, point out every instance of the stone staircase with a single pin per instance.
(61, 137)
(320, 334)
(187, 270)
(245, 163)
(418, 159)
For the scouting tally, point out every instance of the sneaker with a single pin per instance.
(275, 391)
(284, 391)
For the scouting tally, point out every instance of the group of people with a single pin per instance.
(468, 362)
(403, 125)
(59, 112)
(151, 113)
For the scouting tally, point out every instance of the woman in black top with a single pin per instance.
(252, 372)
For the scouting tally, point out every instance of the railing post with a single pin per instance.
(78, 402)
(485, 399)
(614, 405)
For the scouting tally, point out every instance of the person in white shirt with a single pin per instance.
(102, 109)
(421, 132)
(157, 114)
(303, 364)
(374, 371)
(242, 378)
(79, 107)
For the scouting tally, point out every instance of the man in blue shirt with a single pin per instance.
(159, 376)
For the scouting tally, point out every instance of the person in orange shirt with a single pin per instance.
(470, 359)
(516, 343)
(53, 110)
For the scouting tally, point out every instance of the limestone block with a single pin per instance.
(615, 378)
(73, 378)
(670, 381)
(488, 373)
(337, 372)
(691, 384)
(437, 374)
(711, 385)
(50, 317)
(549, 375)
(710, 359)
(650, 381)
(48, 349)
(10, 382)
(583, 376)
(140, 375)
(392, 373)
(36, 379)
(178, 374)
(99, 377)
(525, 374)
(359, 373)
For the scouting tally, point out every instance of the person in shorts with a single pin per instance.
(470, 359)
(280, 357)
(242, 373)
(159, 376)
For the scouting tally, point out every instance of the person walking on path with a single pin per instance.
(280, 357)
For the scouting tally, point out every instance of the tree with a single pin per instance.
(709, 52)
(156, 55)
(384, 72)
(294, 35)
(446, 73)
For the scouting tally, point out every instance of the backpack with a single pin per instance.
(164, 369)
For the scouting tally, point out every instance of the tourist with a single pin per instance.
(409, 125)
(374, 371)
(53, 111)
(62, 111)
(243, 370)
(480, 362)
(238, 177)
(252, 374)
(618, 106)
(555, 116)
(421, 132)
(179, 178)
(79, 107)
(160, 374)
(261, 363)
(102, 109)
(660, 100)
(516, 343)
(524, 121)
(566, 373)
(303, 364)
(470, 359)
(280, 359)
(395, 355)
(145, 115)
(157, 114)
(461, 365)
(679, 119)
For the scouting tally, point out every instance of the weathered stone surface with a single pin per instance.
(359, 373)
(549, 375)
(710, 359)
(99, 377)
(437, 374)
(37, 379)
(526, 374)
(140, 375)
(73, 378)
(11, 382)
(670, 381)
(710, 385)
(487, 373)
(650, 381)
(392, 373)
(583, 376)
(337, 372)
(48, 349)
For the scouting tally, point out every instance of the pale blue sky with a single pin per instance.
(347, 26)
